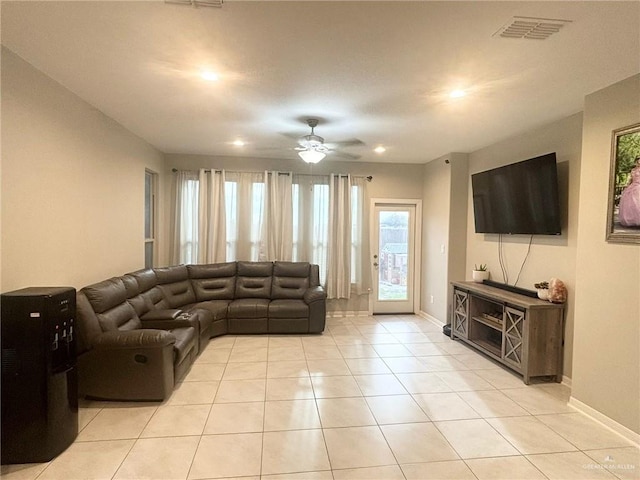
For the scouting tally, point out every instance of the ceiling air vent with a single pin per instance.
(197, 3)
(531, 28)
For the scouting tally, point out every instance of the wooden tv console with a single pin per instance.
(522, 333)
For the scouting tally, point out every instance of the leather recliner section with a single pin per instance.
(139, 334)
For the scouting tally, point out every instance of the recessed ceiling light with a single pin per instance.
(210, 76)
(457, 93)
(379, 149)
(239, 143)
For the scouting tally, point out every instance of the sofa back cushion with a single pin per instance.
(108, 299)
(254, 280)
(122, 317)
(314, 275)
(155, 299)
(290, 280)
(146, 279)
(175, 285)
(105, 295)
(213, 282)
(134, 297)
(88, 326)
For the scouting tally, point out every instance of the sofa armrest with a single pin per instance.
(168, 324)
(162, 314)
(314, 294)
(132, 339)
(128, 365)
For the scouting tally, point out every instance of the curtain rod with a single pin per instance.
(369, 178)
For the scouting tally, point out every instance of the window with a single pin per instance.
(246, 235)
(243, 216)
(150, 181)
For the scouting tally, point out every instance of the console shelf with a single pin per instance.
(522, 333)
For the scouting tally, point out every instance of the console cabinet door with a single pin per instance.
(460, 320)
(513, 341)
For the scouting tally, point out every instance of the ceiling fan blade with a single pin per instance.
(293, 135)
(267, 148)
(348, 156)
(352, 142)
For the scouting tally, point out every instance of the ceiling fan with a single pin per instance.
(312, 148)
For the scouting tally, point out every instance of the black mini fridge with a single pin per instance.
(39, 377)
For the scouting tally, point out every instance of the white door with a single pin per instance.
(393, 257)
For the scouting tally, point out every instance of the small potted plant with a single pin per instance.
(543, 290)
(480, 273)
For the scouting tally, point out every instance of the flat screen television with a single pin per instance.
(521, 198)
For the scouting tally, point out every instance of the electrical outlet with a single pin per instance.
(431, 299)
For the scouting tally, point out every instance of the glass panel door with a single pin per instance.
(393, 258)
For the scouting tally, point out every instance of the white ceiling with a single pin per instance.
(376, 71)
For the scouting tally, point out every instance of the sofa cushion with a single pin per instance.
(155, 299)
(214, 281)
(288, 309)
(290, 280)
(254, 280)
(248, 308)
(136, 300)
(291, 269)
(121, 317)
(289, 287)
(255, 269)
(172, 274)
(130, 285)
(88, 327)
(146, 279)
(213, 270)
(106, 294)
(175, 285)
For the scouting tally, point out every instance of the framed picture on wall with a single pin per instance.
(623, 216)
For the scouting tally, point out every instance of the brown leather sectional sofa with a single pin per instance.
(139, 334)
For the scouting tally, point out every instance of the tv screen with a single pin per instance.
(521, 198)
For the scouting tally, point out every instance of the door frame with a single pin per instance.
(417, 240)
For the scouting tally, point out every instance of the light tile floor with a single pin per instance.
(385, 397)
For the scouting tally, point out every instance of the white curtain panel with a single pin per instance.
(185, 218)
(212, 236)
(338, 284)
(277, 224)
(319, 219)
(245, 214)
(361, 254)
(311, 220)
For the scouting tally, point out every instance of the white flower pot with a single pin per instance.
(479, 275)
(543, 293)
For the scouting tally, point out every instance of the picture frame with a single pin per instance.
(623, 213)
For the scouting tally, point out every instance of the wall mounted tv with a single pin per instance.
(521, 198)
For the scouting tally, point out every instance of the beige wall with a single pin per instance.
(72, 185)
(607, 332)
(435, 237)
(550, 256)
(390, 181)
(444, 231)
(457, 251)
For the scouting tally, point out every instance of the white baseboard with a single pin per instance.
(431, 318)
(607, 422)
(567, 381)
(350, 313)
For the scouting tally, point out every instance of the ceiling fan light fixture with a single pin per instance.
(311, 156)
